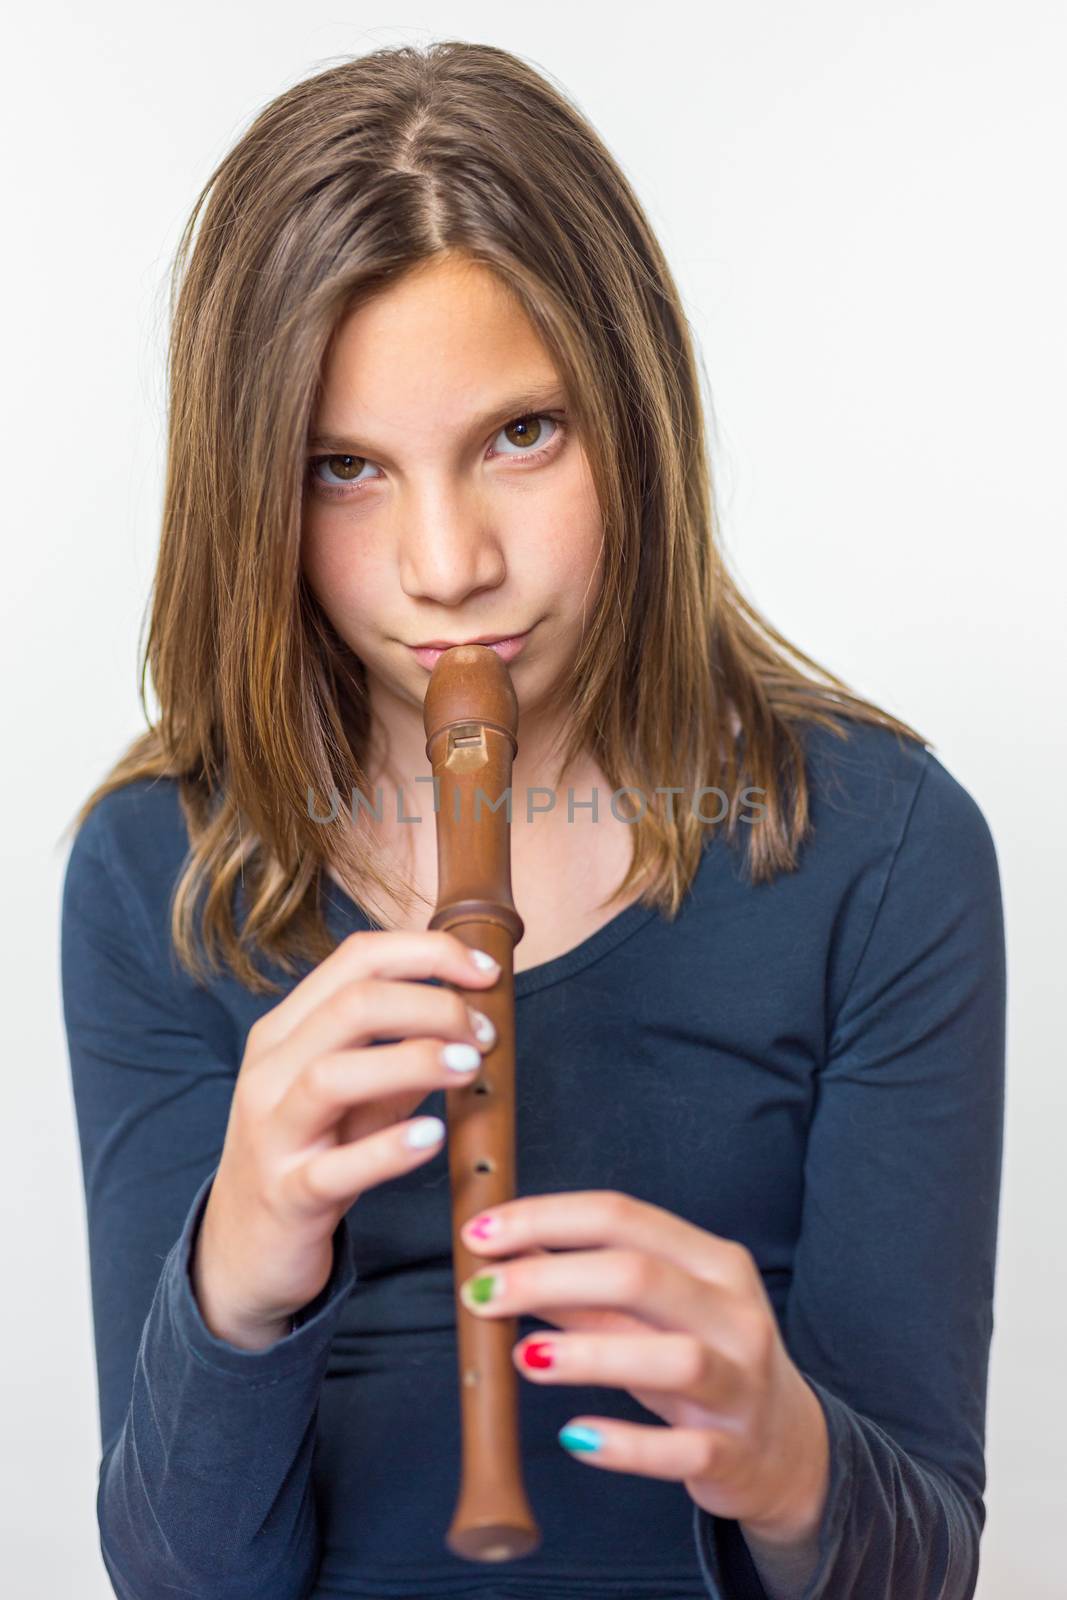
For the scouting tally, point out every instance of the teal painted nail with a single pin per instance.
(577, 1437)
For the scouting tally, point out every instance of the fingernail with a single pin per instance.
(538, 1353)
(484, 960)
(461, 1057)
(423, 1133)
(484, 1031)
(482, 1227)
(576, 1437)
(479, 1290)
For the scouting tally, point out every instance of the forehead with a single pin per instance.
(447, 334)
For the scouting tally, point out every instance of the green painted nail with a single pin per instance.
(482, 1288)
(577, 1437)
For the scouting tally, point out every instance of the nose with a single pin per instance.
(448, 549)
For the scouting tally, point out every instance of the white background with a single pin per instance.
(863, 205)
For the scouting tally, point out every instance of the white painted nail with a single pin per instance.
(461, 1057)
(484, 1031)
(423, 1133)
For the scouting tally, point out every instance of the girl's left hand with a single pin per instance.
(680, 1319)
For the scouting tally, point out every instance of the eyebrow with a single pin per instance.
(524, 403)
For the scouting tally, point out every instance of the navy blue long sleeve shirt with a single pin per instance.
(813, 1067)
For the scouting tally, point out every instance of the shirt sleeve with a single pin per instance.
(784, 1572)
(204, 1482)
(890, 1311)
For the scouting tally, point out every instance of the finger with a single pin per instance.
(588, 1318)
(379, 1008)
(665, 1296)
(676, 1455)
(674, 1364)
(339, 1175)
(571, 1219)
(317, 1099)
(384, 953)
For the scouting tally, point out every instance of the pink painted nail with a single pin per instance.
(482, 1227)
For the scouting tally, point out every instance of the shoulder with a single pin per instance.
(128, 854)
(877, 790)
(901, 858)
(136, 827)
(899, 881)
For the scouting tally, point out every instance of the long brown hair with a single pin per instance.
(340, 185)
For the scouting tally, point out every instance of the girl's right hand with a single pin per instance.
(317, 1118)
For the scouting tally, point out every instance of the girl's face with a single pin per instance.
(446, 499)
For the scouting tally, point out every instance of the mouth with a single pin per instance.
(507, 648)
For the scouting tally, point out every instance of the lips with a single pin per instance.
(450, 644)
(506, 648)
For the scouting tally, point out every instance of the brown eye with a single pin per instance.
(528, 433)
(342, 470)
(524, 430)
(351, 466)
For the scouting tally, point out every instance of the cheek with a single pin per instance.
(338, 580)
(315, 550)
(583, 525)
(567, 531)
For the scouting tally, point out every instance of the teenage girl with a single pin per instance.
(431, 382)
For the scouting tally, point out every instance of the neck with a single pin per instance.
(398, 756)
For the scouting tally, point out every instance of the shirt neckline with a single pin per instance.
(546, 973)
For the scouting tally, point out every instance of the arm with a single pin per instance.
(204, 1486)
(890, 1312)
(783, 1569)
